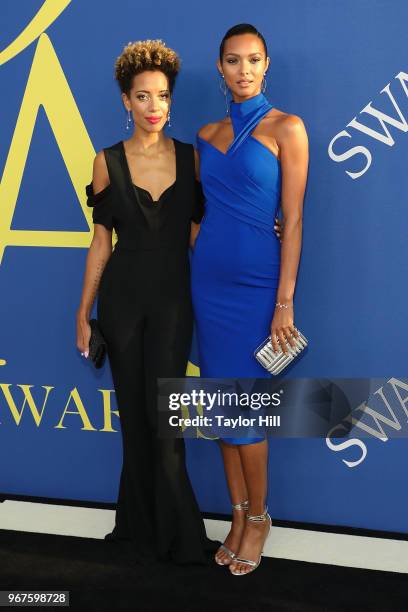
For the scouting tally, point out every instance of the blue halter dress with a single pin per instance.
(236, 259)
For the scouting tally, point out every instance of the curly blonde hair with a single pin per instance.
(143, 55)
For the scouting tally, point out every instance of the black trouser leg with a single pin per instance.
(135, 505)
(179, 526)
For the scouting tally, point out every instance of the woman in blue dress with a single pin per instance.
(243, 278)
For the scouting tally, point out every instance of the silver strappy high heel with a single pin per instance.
(241, 506)
(254, 564)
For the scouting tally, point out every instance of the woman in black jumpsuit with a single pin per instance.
(145, 314)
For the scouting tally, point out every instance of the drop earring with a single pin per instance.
(129, 120)
(224, 89)
(168, 118)
(264, 84)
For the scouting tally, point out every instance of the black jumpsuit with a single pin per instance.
(145, 313)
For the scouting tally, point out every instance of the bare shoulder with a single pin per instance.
(100, 162)
(209, 131)
(288, 126)
(100, 175)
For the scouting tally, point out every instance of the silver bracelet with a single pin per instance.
(282, 305)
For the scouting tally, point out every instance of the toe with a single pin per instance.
(220, 557)
(234, 568)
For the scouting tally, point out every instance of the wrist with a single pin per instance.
(283, 304)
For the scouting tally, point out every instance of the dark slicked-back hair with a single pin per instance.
(241, 28)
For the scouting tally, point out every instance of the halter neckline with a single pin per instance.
(239, 110)
(245, 116)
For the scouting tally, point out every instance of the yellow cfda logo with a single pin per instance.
(46, 86)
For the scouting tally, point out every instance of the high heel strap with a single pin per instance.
(259, 517)
(244, 505)
(241, 506)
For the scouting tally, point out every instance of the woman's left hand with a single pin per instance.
(282, 327)
(278, 228)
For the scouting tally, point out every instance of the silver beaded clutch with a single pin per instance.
(276, 362)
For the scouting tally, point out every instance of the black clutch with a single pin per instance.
(97, 345)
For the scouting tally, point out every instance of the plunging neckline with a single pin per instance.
(150, 195)
(137, 186)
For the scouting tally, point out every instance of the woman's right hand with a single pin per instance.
(83, 335)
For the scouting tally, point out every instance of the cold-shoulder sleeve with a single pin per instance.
(198, 208)
(102, 205)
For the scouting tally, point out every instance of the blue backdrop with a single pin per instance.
(340, 66)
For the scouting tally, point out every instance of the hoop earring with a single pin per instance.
(129, 120)
(168, 118)
(264, 84)
(224, 90)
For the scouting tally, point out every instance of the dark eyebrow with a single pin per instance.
(145, 91)
(238, 55)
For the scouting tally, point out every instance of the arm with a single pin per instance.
(195, 227)
(98, 255)
(293, 144)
